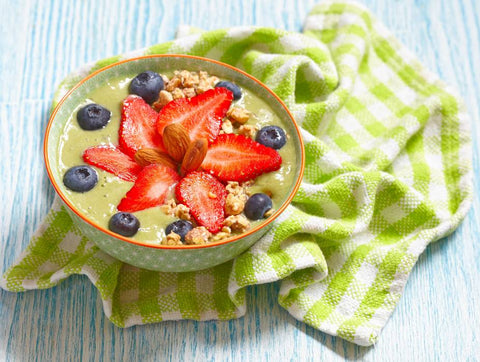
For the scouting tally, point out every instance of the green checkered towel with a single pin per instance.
(388, 170)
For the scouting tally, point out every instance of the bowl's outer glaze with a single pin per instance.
(166, 260)
(169, 259)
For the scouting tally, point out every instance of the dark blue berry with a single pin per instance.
(124, 223)
(147, 85)
(80, 178)
(180, 227)
(257, 205)
(93, 116)
(271, 136)
(232, 87)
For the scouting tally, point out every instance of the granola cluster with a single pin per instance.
(236, 119)
(184, 84)
(222, 234)
(248, 131)
(239, 115)
(238, 223)
(172, 239)
(237, 196)
(198, 236)
(177, 210)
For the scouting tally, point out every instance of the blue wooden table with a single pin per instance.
(437, 319)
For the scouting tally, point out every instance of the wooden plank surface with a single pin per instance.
(438, 318)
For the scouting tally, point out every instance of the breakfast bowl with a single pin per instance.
(249, 109)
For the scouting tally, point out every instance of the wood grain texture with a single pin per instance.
(437, 319)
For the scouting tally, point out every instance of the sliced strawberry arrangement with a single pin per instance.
(238, 158)
(137, 127)
(201, 115)
(112, 160)
(183, 146)
(205, 196)
(152, 186)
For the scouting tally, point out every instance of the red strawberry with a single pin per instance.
(201, 115)
(238, 158)
(137, 128)
(196, 191)
(112, 160)
(152, 186)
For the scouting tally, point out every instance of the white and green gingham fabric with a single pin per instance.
(388, 170)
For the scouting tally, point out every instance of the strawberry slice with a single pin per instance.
(151, 188)
(113, 160)
(238, 158)
(205, 196)
(137, 127)
(201, 115)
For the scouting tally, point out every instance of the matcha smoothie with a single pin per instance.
(100, 203)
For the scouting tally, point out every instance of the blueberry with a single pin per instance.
(147, 85)
(93, 116)
(180, 227)
(232, 87)
(124, 223)
(271, 136)
(80, 178)
(257, 205)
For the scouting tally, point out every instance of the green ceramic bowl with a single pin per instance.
(161, 257)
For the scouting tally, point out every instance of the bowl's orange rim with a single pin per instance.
(183, 247)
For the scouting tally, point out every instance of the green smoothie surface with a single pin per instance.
(100, 203)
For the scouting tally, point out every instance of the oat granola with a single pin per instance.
(189, 92)
(174, 83)
(238, 223)
(180, 211)
(163, 98)
(227, 126)
(269, 213)
(178, 93)
(223, 234)
(169, 207)
(197, 236)
(239, 115)
(248, 131)
(172, 239)
(234, 204)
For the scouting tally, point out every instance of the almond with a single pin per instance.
(194, 156)
(147, 156)
(176, 140)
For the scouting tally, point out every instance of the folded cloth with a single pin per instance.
(388, 170)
